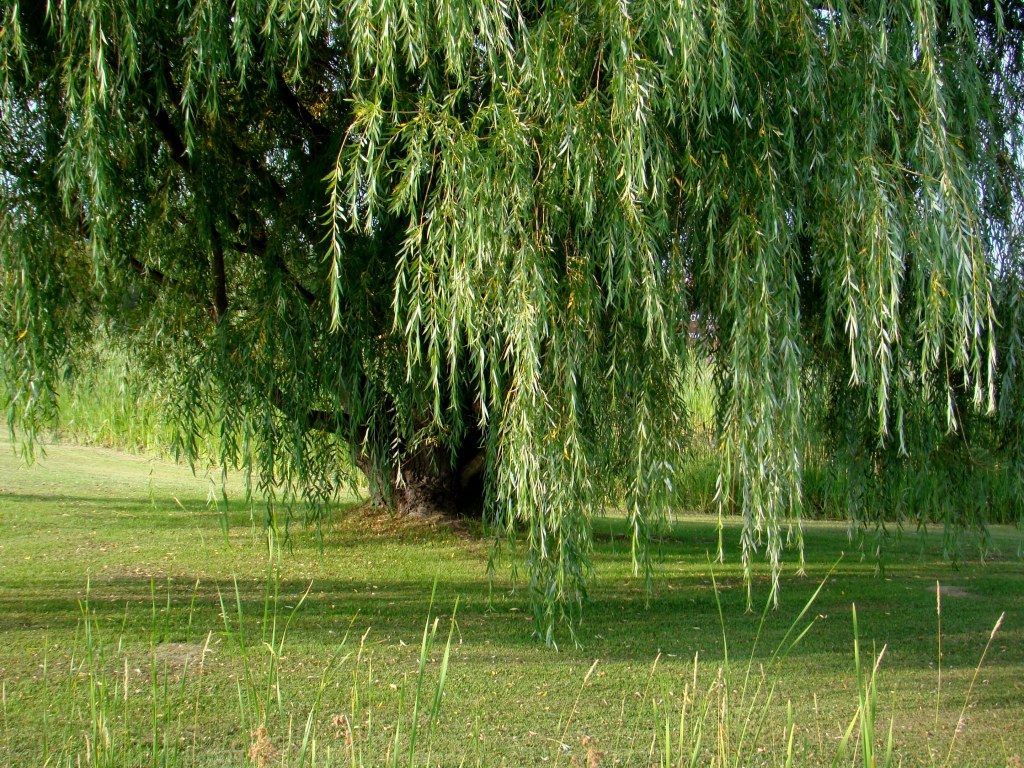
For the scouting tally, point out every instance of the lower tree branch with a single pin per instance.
(220, 281)
(321, 420)
(144, 270)
(258, 246)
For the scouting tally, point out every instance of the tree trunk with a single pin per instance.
(428, 484)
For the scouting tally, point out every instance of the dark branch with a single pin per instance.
(258, 246)
(144, 270)
(219, 274)
(323, 421)
(164, 124)
(307, 295)
(301, 113)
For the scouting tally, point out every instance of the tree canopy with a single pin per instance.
(473, 247)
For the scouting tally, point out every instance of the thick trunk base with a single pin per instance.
(429, 486)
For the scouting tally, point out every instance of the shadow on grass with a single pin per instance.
(622, 621)
(681, 617)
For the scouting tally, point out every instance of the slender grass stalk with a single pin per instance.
(791, 732)
(572, 712)
(641, 705)
(7, 718)
(938, 640)
(970, 688)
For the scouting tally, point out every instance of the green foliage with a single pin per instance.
(483, 233)
(105, 401)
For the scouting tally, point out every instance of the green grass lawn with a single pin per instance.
(153, 550)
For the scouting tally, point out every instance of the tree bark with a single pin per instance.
(428, 483)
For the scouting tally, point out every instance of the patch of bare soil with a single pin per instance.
(386, 523)
(175, 658)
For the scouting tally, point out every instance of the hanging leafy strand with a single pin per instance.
(470, 247)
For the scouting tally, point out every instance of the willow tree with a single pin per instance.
(470, 246)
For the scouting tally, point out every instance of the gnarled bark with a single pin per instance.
(428, 483)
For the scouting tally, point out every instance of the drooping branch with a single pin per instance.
(992, 12)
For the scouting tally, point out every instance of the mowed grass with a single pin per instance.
(149, 539)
